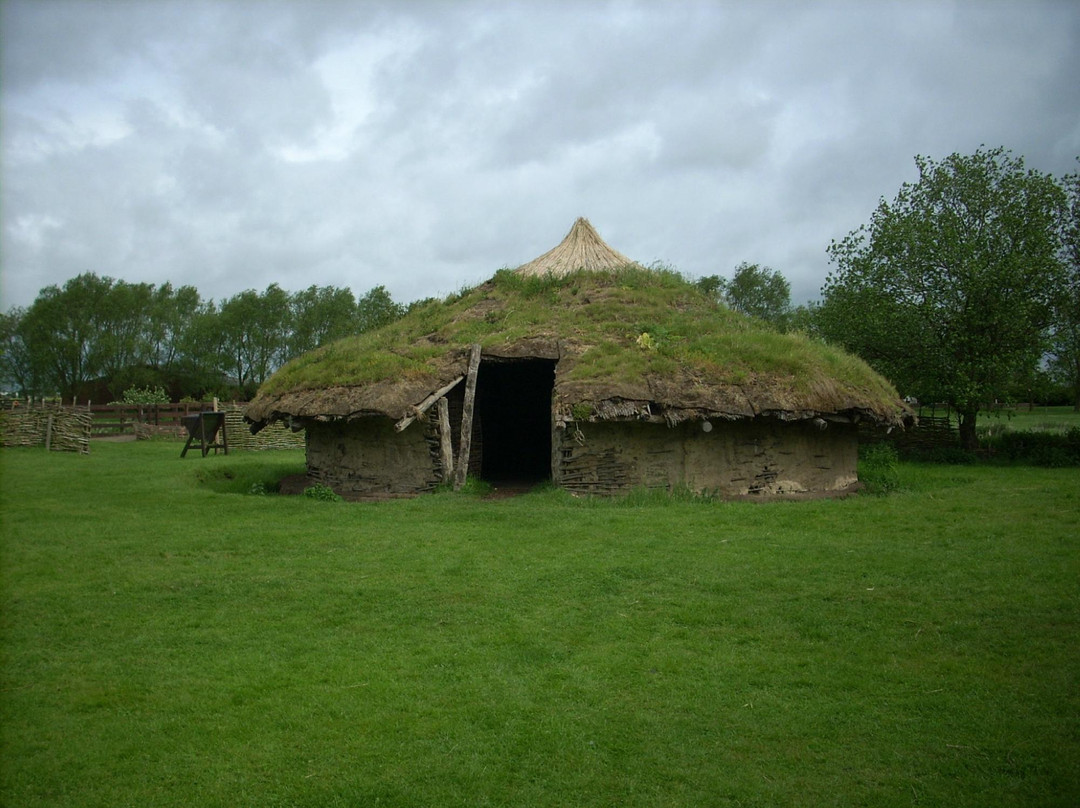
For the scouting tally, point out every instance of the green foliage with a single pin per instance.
(97, 331)
(144, 395)
(376, 309)
(323, 493)
(878, 468)
(321, 315)
(1064, 350)
(949, 289)
(18, 372)
(255, 329)
(754, 290)
(245, 474)
(582, 411)
(1037, 448)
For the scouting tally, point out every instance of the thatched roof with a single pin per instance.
(629, 343)
(582, 249)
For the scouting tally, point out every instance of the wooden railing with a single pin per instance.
(120, 419)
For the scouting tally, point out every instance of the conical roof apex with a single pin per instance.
(582, 249)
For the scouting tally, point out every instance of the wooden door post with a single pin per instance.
(446, 445)
(461, 469)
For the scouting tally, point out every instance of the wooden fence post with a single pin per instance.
(461, 470)
(446, 445)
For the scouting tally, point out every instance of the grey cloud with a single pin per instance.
(423, 145)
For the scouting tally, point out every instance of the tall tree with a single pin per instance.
(320, 314)
(63, 331)
(203, 359)
(950, 288)
(123, 323)
(1065, 337)
(18, 372)
(171, 314)
(256, 329)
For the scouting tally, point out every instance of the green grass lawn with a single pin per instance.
(170, 639)
(1038, 419)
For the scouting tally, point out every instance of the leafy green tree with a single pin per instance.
(803, 318)
(202, 360)
(18, 373)
(63, 332)
(172, 312)
(713, 286)
(256, 329)
(949, 289)
(122, 322)
(376, 309)
(319, 315)
(755, 290)
(1065, 338)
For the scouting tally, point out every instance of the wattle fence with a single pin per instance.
(71, 427)
(60, 429)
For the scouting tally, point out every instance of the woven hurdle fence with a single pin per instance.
(275, 436)
(237, 430)
(58, 429)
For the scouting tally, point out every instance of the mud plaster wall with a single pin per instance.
(765, 457)
(367, 457)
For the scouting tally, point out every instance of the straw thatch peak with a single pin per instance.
(581, 249)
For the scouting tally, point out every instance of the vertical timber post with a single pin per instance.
(446, 445)
(462, 467)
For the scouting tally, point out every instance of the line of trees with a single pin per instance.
(95, 337)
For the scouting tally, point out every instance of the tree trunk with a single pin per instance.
(968, 439)
(1076, 384)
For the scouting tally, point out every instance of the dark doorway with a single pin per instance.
(513, 402)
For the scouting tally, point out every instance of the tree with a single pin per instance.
(202, 355)
(256, 329)
(320, 314)
(64, 336)
(1065, 338)
(755, 290)
(18, 372)
(949, 289)
(122, 322)
(172, 312)
(376, 309)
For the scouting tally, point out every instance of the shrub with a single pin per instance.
(323, 493)
(877, 468)
(1049, 449)
(144, 395)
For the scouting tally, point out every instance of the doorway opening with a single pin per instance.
(513, 404)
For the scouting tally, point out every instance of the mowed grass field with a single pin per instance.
(169, 638)
(1036, 419)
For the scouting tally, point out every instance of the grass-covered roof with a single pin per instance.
(625, 339)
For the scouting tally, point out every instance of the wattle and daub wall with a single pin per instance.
(733, 458)
(368, 458)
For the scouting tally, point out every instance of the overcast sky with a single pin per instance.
(424, 145)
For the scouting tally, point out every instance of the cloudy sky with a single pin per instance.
(424, 145)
